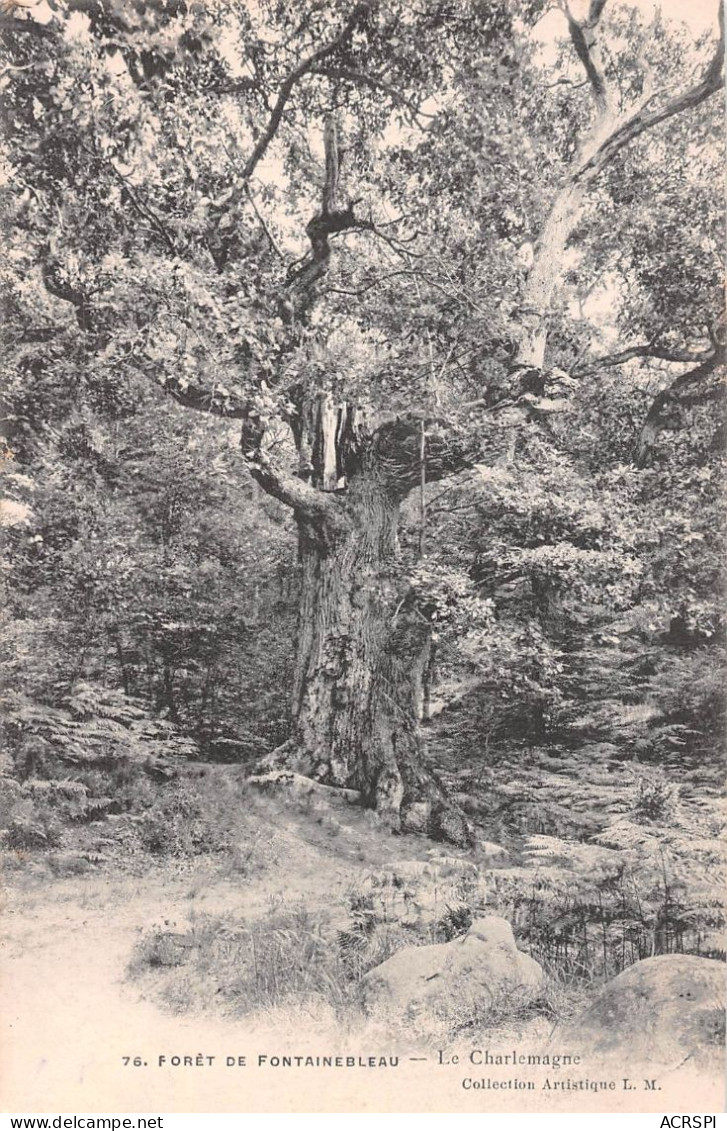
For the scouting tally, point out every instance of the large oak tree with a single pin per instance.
(357, 230)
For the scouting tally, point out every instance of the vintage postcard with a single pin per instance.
(363, 634)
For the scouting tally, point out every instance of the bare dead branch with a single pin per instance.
(305, 500)
(330, 185)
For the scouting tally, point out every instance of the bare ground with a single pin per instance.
(72, 1012)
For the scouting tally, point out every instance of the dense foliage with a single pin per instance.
(161, 163)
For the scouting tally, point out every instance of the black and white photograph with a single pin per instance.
(363, 528)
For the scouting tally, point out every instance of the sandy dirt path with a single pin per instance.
(70, 1016)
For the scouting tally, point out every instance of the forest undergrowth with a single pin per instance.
(594, 869)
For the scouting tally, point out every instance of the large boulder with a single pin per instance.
(458, 979)
(663, 1011)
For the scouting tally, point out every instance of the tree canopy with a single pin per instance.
(431, 248)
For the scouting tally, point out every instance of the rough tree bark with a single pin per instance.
(363, 649)
(363, 646)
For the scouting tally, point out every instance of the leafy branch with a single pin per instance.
(305, 67)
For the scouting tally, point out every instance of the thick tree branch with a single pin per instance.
(585, 43)
(305, 67)
(595, 11)
(329, 221)
(631, 127)
(688, 389)
(64, 290)
(306, 501)
(648, 349)
(293, 492)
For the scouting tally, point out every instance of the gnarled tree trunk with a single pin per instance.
(363, 646)
(362, 653)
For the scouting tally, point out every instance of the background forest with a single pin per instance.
(559, 542)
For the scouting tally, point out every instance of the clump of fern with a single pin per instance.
(650, 883)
